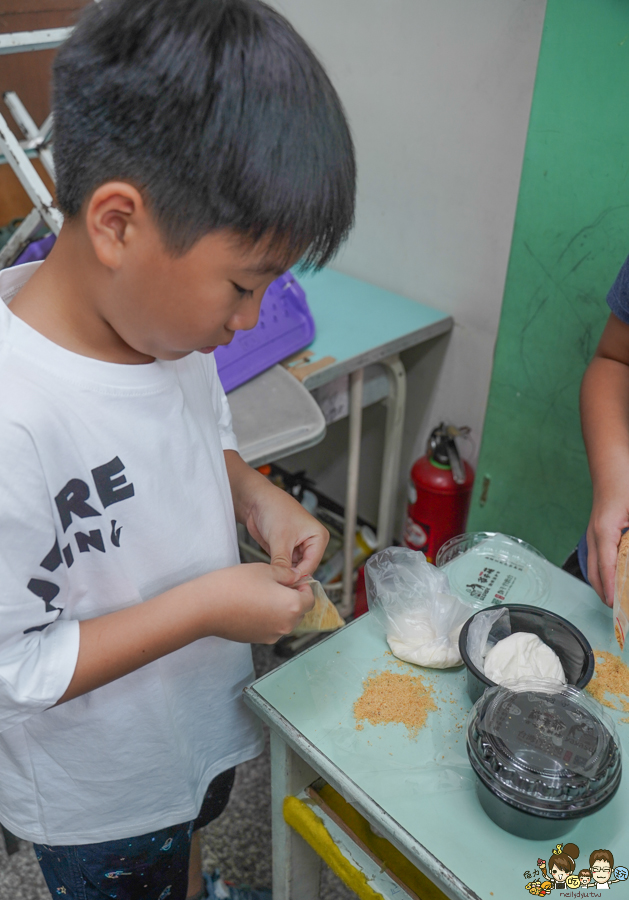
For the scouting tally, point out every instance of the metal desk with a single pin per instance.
(419, 794)
(359, 324)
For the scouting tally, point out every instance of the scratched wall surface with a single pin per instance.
(570, 238)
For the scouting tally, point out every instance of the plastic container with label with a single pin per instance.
(543, 758)
(489, 569)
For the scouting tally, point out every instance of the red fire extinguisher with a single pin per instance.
(439, 493)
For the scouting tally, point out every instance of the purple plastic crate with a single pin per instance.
(284, 327)
(36, 250)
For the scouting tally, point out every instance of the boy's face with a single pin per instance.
(175, 305)
(166, 307)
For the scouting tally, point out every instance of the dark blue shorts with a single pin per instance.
(149, 867)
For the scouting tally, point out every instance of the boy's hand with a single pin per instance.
(290, 535)
(255, 602)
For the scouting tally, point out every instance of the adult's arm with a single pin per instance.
(605, 422)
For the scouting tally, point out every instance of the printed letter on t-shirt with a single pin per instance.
(110, 489)
(71, 499)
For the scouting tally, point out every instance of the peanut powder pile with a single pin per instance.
(391, 697)
(611, 676)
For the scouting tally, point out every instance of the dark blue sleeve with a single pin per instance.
(618, 297)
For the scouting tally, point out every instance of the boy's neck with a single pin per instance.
(63, 301)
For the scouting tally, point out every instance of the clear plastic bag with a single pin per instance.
(323, 616)
(484, 632)
(411, 601)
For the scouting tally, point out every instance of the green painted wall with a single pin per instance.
(570, 238)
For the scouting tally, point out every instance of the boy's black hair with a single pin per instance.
(217, 111)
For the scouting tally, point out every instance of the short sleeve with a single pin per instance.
(221, 407)
(38, 647)
(618, 296)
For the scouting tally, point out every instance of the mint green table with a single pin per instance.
(360, 324)
(419, 794)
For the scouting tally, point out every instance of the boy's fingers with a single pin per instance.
(311, 553)
(307, 564)
(284, 575)
(307, 597)
(282, 555)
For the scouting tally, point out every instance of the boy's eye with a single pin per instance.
(241, 290)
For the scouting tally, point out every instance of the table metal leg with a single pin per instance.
(356, 380)
(394, 429)
(296, 866)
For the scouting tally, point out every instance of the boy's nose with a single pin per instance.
(247, 316)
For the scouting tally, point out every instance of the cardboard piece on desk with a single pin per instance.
(302, 356)
(323, 616)
(302, 371)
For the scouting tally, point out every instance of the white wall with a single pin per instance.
(438, 93)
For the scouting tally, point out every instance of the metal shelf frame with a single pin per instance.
(36, 144)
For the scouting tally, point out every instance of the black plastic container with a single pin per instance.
(543, 759)
(570, 645)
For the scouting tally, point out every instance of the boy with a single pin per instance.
(605, 421)
(200, 150)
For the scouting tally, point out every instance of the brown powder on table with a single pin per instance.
(611, 676)
(390, 697)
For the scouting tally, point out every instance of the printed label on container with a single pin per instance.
(484, 576)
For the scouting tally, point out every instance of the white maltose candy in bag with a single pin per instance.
(523, 657)
(411, 600)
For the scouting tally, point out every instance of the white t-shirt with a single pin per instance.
(113, 489)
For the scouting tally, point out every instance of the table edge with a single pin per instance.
(376, 354)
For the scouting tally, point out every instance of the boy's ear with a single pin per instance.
(113, 216)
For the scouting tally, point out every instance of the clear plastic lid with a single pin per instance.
(489, 568)
(547, 750)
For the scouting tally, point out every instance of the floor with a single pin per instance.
(238, 843)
